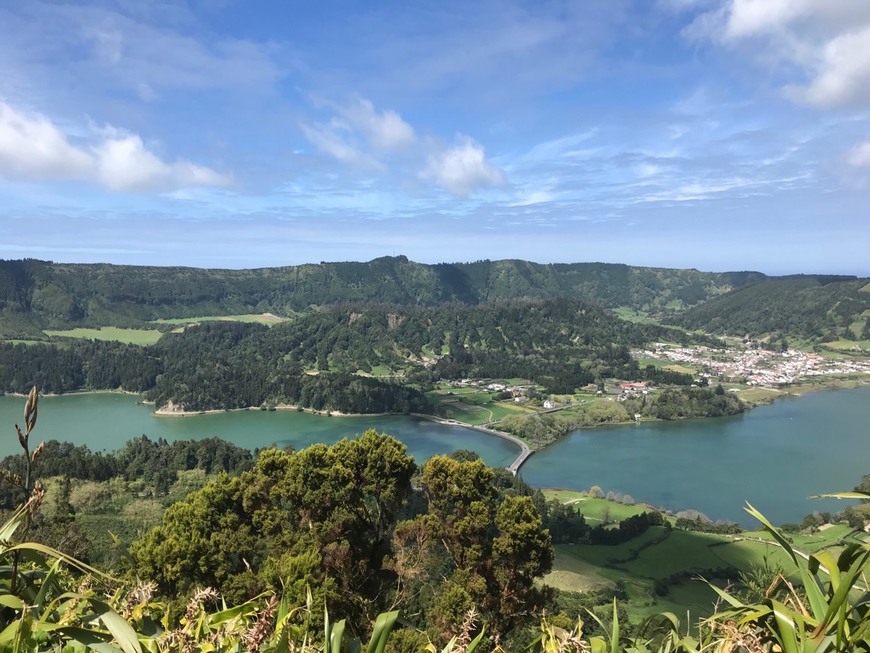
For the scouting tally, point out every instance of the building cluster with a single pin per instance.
(760, 367)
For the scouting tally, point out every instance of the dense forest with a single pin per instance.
(321, 359)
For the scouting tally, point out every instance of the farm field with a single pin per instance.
(127, 336)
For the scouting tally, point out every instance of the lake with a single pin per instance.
(774, 456)
(105, 421)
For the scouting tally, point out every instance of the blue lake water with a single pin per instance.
(774, 456)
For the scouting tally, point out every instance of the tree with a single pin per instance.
(320, 517)
(497, 544)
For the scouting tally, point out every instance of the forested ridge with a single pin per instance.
(37, 294)
(807, 307)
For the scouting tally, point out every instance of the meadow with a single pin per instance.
(127, 336)
(472, 405)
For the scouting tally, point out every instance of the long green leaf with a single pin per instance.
(733, 602)
(8, 529)
(47, 584)
(614, 634)
(786, 630)
(219, 618)
(336, 637)
(864, 496)
(381, 632)
(773, 531)
(11, 601)
(472, 646)
(117, 626)
(29, 547)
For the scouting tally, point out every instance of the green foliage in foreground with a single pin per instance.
(42, 608)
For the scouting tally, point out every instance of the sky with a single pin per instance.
(713, 134)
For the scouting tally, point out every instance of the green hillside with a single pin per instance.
(816, 308)
(37, 294)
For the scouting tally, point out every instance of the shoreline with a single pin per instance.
(288, 408)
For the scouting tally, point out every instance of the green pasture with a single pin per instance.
(693, 596)
(655, 362)
(127, 336)
(572, 574)
(632, 315)
(846, 345)
(595, 510)
(472, 405)
(259, 318)
(681, 369)
(679, 551)
(574, 571)
(757, 396)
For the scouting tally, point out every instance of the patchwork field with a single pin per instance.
(661, 553)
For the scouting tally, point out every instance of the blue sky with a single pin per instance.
(716, 134)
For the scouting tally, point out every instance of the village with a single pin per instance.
(754, 366)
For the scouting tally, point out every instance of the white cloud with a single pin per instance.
(463, 169)
(32, 148)
(826, 43)
(329, 139)
(843, 74)
(385, 130)
(860, 155)
(124, 164)
(360, 135)
(748, 17)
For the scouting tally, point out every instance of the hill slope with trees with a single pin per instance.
(36, 294)
(321, 360)
(807, 307)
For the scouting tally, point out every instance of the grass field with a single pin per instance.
(128, 336)
(757, 396)
(472, 405)
(260, 318)
(595, 510)
(631, 315)
(839, 345)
